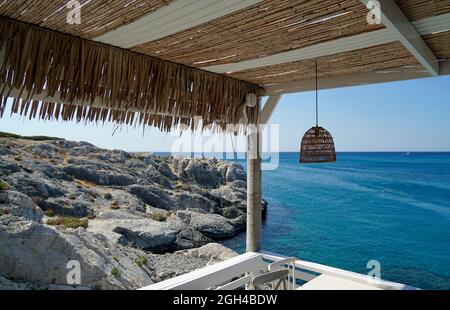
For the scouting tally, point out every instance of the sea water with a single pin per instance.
(389, 207)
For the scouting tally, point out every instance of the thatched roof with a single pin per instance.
(163, 62)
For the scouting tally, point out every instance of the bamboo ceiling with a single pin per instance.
(419, 9)
(165, 81)
(271, 27)
(365, 60)
(98, 17)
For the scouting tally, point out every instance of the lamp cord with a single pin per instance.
(317, 100)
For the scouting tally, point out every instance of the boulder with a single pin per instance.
(232, 171)
(67, 207)
(195, 201)
(6, 151)
(200, 172)
(8, 166)
(153, 196)
(211, 225)
(92, 174)
(233, 195)
(210, 251)
(152, 175)
(39, 254)
(146, 234)
(87, 173)
(165, 170)
(34, 186)
(45, 150)
(20, 205)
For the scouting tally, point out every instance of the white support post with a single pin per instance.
(253, 242)
(398, 24)
(254, 176)
(268, 109)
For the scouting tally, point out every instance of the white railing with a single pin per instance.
(238, 272)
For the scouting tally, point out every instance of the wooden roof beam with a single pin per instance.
(399, 25)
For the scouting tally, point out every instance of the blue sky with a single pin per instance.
(401, 116)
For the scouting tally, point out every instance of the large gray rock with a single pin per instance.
(6, 151)
(6, 284)
(46, 150)
(67, 207)
(34, 186)
(152, 175)
(92, 174)
(195, 201)
(20, 205)
(213, 252)
(165, 170)
(149, 235)
(8, 166)
(153, 196)
(234, 195)
(232, 171)
(47, 170)
(211, 225)
(203, 174)
(146, 234)
(40, 253)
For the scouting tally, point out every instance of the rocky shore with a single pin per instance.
(129, 219)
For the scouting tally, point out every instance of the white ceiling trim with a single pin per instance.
(179, 15)
(426, 26)
(356, 79)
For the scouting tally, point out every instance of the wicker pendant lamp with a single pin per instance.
(317, 143)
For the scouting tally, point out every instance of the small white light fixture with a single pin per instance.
(251, 100)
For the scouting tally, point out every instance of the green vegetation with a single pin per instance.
(141, 260)
(114, 205)
(4, 186)
(68, 222)
(33, 138)
(160, 216)
(179, 186)
(115, 258)
(115, 272)
(5, 211)
(49, 213)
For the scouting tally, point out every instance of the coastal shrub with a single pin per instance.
(115, 272)
(5, 211)
(107, 196)
(179, 186)
(4, 186)
(141, 260)
(68, 222)
(115, 258)
(161, 216)
(33, 138)
(114, 205)
(50, 213)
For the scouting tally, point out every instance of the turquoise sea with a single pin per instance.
(390, 207)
